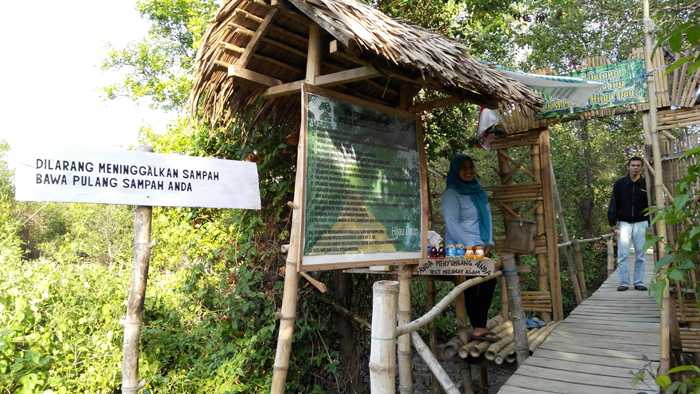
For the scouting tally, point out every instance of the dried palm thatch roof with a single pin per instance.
(269, 44)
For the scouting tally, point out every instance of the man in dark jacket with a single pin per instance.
(627, 215)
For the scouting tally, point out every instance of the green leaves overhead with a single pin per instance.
(159, 68)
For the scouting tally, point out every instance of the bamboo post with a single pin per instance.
(404, 316)
(542, 284)
(462, 324)
(382, 358)
(291, 273)
(550, 233)
(510, 272)
(435, 386)
(611, 255)
(579, 294)
(664, 329)
(405, 274)
(504, 298)
(137, 294)
(580, 273)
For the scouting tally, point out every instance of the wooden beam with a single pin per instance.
(347, 76)
(341, 77)
(255, 40)
(283, 89)
(236, 71)
(270, 60)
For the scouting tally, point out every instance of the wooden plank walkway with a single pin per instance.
(598, 347)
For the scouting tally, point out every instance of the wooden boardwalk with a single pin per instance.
(598, 347)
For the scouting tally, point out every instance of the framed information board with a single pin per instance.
(364, 192)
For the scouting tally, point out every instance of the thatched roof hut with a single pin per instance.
(258, 48)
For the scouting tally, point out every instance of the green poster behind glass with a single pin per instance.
(362, 198)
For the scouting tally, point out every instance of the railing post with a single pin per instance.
(510, 272)
(382, 359)
(611, 255)
(580, 273)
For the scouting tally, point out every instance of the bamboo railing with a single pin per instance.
(576, 267)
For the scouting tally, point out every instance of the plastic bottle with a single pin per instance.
(469, 253)
(450, 251)
(479, 252)
(459, 248)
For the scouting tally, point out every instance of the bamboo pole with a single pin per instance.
(504, 298)
(542, 283)
(405, 274)
(137, 293)
(611, 255)
(432, 363)
(580, 273)
(475, 348)
(664, 329)
(542, 335)
(510, 272)
(501, 355)
(404, 341)
(579, 294)
(291, 273)
(462, 324)
(435, 386)
(382, 358)
(550, 232)
(443, 304)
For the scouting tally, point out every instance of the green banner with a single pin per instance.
(362, 185)
(625, 83)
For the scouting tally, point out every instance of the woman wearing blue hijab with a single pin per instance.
(468, 221)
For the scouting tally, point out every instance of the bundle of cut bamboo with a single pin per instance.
(504, 349)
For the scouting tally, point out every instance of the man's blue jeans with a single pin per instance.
(635, 234)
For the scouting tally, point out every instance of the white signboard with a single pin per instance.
(135, 178)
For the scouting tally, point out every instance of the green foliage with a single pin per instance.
(160, 66)
(10, 242)
(683, 254)
(686, 379)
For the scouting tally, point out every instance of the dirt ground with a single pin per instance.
(497, 374)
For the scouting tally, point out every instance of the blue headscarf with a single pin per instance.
(474, 190)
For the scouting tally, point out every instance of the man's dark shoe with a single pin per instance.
(622, 288)
(640, 287)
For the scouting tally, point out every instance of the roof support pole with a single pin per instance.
(405, 275)
(291, 274)
(665, 349)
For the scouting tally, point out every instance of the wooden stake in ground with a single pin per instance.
(404, 317)
(382, 358)
(291, 275)
(137, 293)
(510, 272)
(462, 323)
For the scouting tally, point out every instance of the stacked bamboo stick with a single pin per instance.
(504, 350)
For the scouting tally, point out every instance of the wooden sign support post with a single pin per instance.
(664, 361)
(137, 293)
(291, 274)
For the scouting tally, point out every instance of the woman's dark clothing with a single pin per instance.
(478, 300)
